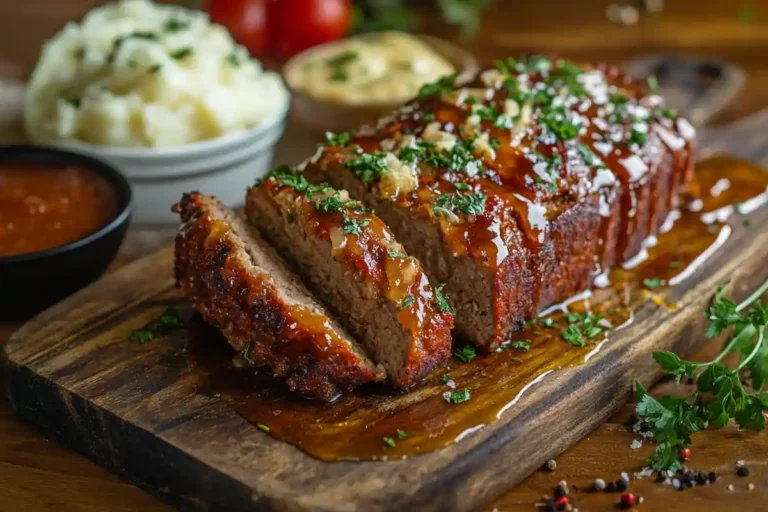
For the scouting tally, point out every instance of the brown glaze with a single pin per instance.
(370, 254)
(42, 207)
(214, 272)
(526, 233)
(355, 426)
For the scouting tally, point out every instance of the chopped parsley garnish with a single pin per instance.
(337, 139)
(142, 335)
(352, 226)
(456, 397)
(75, 102)
(494, 143)
(447, 204)
(342, 59)
(674, 419)
(247, 351)
(652, 283)
(470, 100)
(445, 377)
(573, 336)
(556, 120)
(169, 320)
(401, 434)
(547, 322)
(522, 345)
(466, 354)
(389, 442)
(653, 83)
(262, 427)
(675, 264)
(155, 68)
(539, 64)
(588, 155)
(486, 113)
(396, 255)
(668, 113)
(333, 204)
(286, 177)
(460, 185)
(407, 301)
(180, 54)
(368, 167)
(339, 75)
(638, 137)
(441, 299)
(175, 25)
(232, 60)
(429, 116)
(442, 86)
(738, 207)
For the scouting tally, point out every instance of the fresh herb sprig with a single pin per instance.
(674, 419)
(168, 321)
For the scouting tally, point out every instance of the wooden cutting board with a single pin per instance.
(137, 409)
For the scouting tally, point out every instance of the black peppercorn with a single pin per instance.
(560, 491)
(712, 476)
(742, 471)
(610, 487)
(621, 485)
(550, 506)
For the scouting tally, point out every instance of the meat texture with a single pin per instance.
(353, 263)
(519, 187)
(242, 287)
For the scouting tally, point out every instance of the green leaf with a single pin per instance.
(652, 283)
(749, 414)
(466, 354)
(673, 365)
(665, 457)
(573, 336)
(721, 313)
(456, 397)
(758, 369)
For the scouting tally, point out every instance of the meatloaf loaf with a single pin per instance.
(517, 188)
(242, 287)
(353, 263)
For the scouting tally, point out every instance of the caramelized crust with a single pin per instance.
(352, 261)
(239, 285)
(535, 177)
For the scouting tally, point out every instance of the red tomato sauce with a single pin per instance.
(45, 207)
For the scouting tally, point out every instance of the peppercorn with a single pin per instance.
(551, 464)
(742, 471)
(562, 501)
(621, 485)
(550, 506)
(610, 487)
(628, 500)
(712, 476)
(701, 478)
(561, 491)
(686, 453)
(599, 484)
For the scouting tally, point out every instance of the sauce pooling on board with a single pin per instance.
(463, 397)
(46, 207)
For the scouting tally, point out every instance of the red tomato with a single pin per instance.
(245, 19)
(300, 24)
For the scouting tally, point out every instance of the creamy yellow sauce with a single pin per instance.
(383, 67)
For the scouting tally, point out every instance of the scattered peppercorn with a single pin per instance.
(560, 491)
(621, 485)
(562, 501)
(551, 464)
(550, 506)
(712, 476)
(751, 487)
(599, 484)
(686, 453)
(628, 500)
(742, 471)
(610, 487)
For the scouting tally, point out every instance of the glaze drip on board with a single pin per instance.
(356, 425)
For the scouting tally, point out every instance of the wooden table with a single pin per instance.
(37, 475)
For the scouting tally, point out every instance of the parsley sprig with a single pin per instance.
(674, 419)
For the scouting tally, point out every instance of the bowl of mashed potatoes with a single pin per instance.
(162, 94)
(341, 85)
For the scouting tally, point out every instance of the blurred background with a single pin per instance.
(736, 31)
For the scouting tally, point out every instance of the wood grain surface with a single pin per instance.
(39, 475)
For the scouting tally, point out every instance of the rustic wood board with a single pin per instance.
(135, 409)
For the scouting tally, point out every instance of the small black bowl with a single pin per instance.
(31, 282)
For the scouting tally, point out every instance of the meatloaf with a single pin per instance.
(351, 260)
(242, 287)
(517, 188)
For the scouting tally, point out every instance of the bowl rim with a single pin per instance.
(257, 132)
(26, 153)
(470, 66)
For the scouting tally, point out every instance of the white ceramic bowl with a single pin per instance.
(223, 167)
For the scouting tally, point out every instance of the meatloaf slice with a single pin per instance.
(352, 261)
(242, 287)
(518, 187)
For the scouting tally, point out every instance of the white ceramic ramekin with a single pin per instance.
(223, 167)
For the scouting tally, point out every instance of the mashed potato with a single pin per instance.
(135, 73)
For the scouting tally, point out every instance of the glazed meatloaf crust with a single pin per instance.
(242, 287)
(518, 188)
(351, 260)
